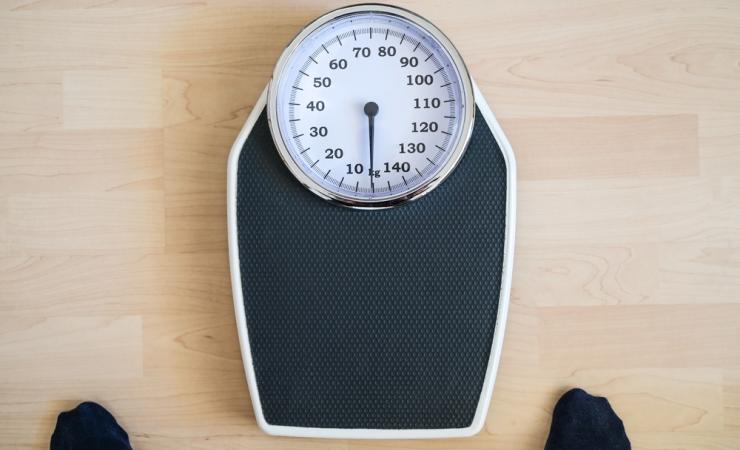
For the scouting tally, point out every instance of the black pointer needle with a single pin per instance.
(371, 110)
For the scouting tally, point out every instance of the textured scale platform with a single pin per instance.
(371, 319)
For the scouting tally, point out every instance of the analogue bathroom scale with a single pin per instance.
(371, 212)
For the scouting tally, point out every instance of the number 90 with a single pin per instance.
(413, 61)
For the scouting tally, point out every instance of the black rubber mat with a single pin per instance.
(371, 319)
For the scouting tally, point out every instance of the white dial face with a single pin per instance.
(371, 107)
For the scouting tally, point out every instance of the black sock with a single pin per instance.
(579, 422)
(583, 422)
(88, 427)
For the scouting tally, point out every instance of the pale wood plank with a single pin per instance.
(219, 99)
(718, 138)
(685, 441)
(54, 5)
(196, 222)
(81, 223)
(79, 161)
(71, 348)
(82, 39)
(155, 284)
(670, 336)
(622, 212)
(629, 274)
(731, 393)
(112, 99)
(30, 101)
(606, 147)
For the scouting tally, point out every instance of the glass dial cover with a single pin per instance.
(371, 106)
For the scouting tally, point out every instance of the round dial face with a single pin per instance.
(371, 106)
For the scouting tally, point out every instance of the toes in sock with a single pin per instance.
(88, 427)
(583, 422)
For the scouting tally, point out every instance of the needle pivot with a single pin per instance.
(371, 109)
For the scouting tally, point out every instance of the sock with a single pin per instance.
(88, 427)
(583, 422)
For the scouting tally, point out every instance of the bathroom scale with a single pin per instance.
(371, 211)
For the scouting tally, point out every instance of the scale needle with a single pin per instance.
(371, 110)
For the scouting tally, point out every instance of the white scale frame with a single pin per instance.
(503, 304)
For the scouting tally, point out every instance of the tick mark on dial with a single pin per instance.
(371, 109)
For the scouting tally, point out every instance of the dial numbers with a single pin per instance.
(378, 59)
(382, 179)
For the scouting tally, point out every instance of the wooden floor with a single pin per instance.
(116, 118)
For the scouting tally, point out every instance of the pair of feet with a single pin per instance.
(579, 422)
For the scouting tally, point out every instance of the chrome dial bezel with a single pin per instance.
(467, 108)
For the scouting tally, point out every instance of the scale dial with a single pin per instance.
(370, 106)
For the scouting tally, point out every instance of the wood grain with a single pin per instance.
(607, 147)
(111, 99)
(116, 118)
